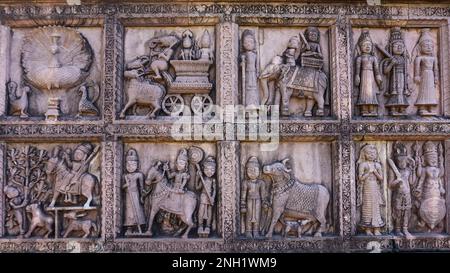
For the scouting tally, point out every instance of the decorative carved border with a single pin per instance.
(2, 183)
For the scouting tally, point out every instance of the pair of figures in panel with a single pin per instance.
(396, 87)
(178, 199)
(46, 191)
(281, 204)
(297, 72)
(417, 187)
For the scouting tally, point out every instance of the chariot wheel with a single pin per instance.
(201, 104)
(173, 105)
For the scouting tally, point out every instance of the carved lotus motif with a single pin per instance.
(55, 57)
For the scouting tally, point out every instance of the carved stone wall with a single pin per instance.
(91, 97)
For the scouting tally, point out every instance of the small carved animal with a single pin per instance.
(79, 224)
(39, 219)
(298, 225)
(18, 104)
(85, 106)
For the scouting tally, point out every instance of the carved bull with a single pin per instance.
(296, 200)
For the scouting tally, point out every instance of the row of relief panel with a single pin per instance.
(164, 190)
(58, 73)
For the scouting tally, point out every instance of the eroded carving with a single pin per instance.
(18, 101)
(369, 194)
(174, 74)
(367, 75)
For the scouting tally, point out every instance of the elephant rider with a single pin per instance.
(78, 169)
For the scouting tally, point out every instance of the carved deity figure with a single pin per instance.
(206, 185)
(291, 50)
(311, 46)
(426, 73)
(249, 59)
(181, 175)
(403, 167)
(206, 52)
(133, 185)
(370, 197)
(395, 67)
(17, 202)
(367, 75)
(253, 195)
(187, 46)
(430, 188)
(72, 173)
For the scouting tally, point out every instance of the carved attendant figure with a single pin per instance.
(253, 193)
(17, 202)
(133, 185)
(426, 74)
(403, 167)
(395, 67)
(250, 90)
(370, 175)
(430, 189)
(367, 75)
(207, 187)
(289, 53)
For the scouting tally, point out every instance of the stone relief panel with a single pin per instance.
(401, 188)
(286, 194)
(54, 72)
(288, 67)
(170, 190)
(168, 71)
(53, 190)
(396, 72)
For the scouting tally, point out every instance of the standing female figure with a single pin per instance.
(249, 69)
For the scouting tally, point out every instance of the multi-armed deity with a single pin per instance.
(303, 77)
(174, 73)
(367, 75)
(395, 67)
(426, 74)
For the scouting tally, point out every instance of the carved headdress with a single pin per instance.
(364, 149)
(132, 155)
(396, 35)
(183, 155)
(429, 148)
(252, 161)
(248, 33)
(425, 35)
(399, 149)
(209, 161)
(364, 37)
(312, 29)
(87, 148)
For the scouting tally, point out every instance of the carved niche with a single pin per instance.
(287, 194)
(286, 67)
(55, 72)
(172, 193)
(396, 72)
(168, 72)
(401, 188)
(53, 190)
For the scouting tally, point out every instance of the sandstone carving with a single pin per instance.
(395, 67)
(18, 103)
(254, 197)
(367, 75)
(175, 73)
(36, 180)
(303, 78)
(369, 194)
(86, 105)
(426, 74)
(250, 91)
(430, 188)
(293, 200)
(403, 167)
(54, 60)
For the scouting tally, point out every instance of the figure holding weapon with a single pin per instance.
(207, 186)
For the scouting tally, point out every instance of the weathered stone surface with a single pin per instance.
(352, 155)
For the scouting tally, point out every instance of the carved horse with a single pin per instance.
(295, 200)
(181, 204)
(309, 83)
(140, 91)
(63, 176)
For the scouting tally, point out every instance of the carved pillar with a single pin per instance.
(445, 66)
(447, 183)
(228, 159)
(118, 169)
(112, 76)
(5, 41)
(109, 153)
(2, 183)
(227, 65)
